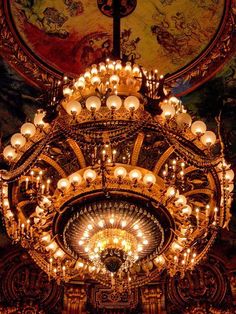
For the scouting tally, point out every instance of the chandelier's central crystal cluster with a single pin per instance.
(119, 185)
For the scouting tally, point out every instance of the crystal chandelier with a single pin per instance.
(113, 181)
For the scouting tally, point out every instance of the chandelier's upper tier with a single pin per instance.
(118, 183)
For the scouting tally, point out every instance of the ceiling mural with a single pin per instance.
(188, 40)
(172, 34)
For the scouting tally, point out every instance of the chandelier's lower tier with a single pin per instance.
(113, 232)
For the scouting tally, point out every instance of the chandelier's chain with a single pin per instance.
(115, 136)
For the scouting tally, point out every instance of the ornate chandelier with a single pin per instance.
(114, 181)
(119, 185)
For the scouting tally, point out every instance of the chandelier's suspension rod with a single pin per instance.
(116, 28)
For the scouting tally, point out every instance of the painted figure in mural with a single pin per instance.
(204, 4)
(129, 46)
(74, 7)
(94, 50)
(177, 35)
(51, 20)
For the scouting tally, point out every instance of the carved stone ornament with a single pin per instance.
(205, 284)
(26, 288)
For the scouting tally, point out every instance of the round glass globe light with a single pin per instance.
(198, 128)
(159, 261)
(114, 102)
(208, 139)
(67, 91)
(229, 175)
(231, 187)
(18, 140)
(89, 175)
(176, 246)
(135, 174)
(128, 67)
(9, 153)
(174, 101)
(114, 79)
(80, 83)
(28, 130)
(120, 172)
(93, 103)
(63, 184)
(95, 80)
(136, 69)
(170, 191)
(181, 201)
(131, 103)
(168, 110)
(118, 65)
(73, 107)
(38, 119)
(149, 179)
(187, 210)
(75, 179)
(183, 120)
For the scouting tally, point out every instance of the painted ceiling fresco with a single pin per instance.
(187, 39)
(69, 35)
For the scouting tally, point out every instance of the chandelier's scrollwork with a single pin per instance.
(118, 184)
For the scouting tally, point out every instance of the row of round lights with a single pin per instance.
(27, 131)
(90, 175)
(93, 75)
(183, 120)
(93, 104)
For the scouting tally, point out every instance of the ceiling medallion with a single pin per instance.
(118, 183)
(126, 7)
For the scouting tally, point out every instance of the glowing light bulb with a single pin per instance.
(28, 130)
(75, 179)
(63, 184)
(208, 139)
(132, 103)
(135, 175)
(120, 172)
(140, 234)
(149, 179)
(114, 102)
(112, 220)
(101, 223)
(89, 175)
(123, 224)
(9, 153)
(115, 240)
(90, 227)
(93, 103)
(198, 128)
(73, 108)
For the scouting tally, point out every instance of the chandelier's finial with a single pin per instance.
(116, 28)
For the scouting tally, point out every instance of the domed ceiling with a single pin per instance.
(188, 39)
